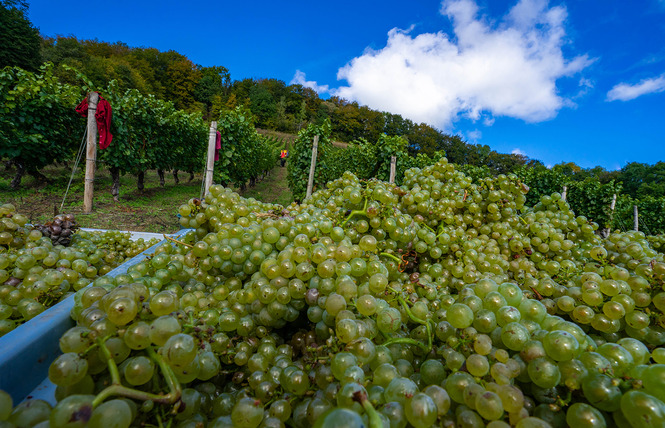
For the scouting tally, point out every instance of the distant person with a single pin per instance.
(283, 155)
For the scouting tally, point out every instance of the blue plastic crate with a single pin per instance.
(27, 352)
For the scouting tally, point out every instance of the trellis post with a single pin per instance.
(393, 166)
(210, 161)
(90, 153)
(310, 181)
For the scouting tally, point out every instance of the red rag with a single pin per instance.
(218, 145)
(102, 117)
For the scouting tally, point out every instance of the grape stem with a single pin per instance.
(356, 212)
(428, 227)
(116, 387)
(414, 318)
(392, 256)
(407, 341)
(168, 238)
(373, 417)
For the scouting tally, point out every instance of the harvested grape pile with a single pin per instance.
(442, 302)
(43, 264)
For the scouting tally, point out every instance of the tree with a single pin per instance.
(19, 39)
(262, 105)
(212, 88)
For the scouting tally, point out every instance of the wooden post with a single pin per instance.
(564, 193)
(310, 182)
(605, 232)
(90, 153)
(635, 219)
(393, 165)
(210, 162)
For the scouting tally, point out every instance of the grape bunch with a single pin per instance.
(442, 302)
(39, 273)
(657, 242)
(13, 230)
(60, 230)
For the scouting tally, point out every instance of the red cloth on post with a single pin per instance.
(218, 145)
(102, 117)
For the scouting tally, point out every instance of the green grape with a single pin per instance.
(514, 336)
(247, 412)
(658, 355)
(584, 416)
(6, 405)
(432, 372)
(29, 413)
(544, 372)
(137, 335)
(179, 349)
(532, 422)
(460, 315)
(420, 410)
(339, 418)
(162, 328)
(560, 345)
(122, 311)
(138, 370)
(388, 320)
(477, 365)
(400, 389)
(643, 410)
(67, 369)
(489, 405)
(111, 414)
(73, 411)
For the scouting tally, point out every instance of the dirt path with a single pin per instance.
(274, 188)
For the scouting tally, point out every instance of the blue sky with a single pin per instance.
(580, 81)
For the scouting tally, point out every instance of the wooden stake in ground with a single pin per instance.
(310, 182)
(393, 167)
(210, 163)
(90, 153)
(636, 222)
(606, 231)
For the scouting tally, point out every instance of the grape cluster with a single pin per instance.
(13, 230)
(657, 242)
(40, 273)
(60, 230)
(442, 302)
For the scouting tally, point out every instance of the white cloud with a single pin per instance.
(474, 136)
(627, 92)
(484, 69)
(300, 79)
(518, 152)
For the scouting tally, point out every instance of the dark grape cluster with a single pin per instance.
(442, 302)
(60, 230)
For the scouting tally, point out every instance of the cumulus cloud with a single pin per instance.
(627, 92)
(518, 152)
(474, 136)
(485, 69)
(300, 79)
